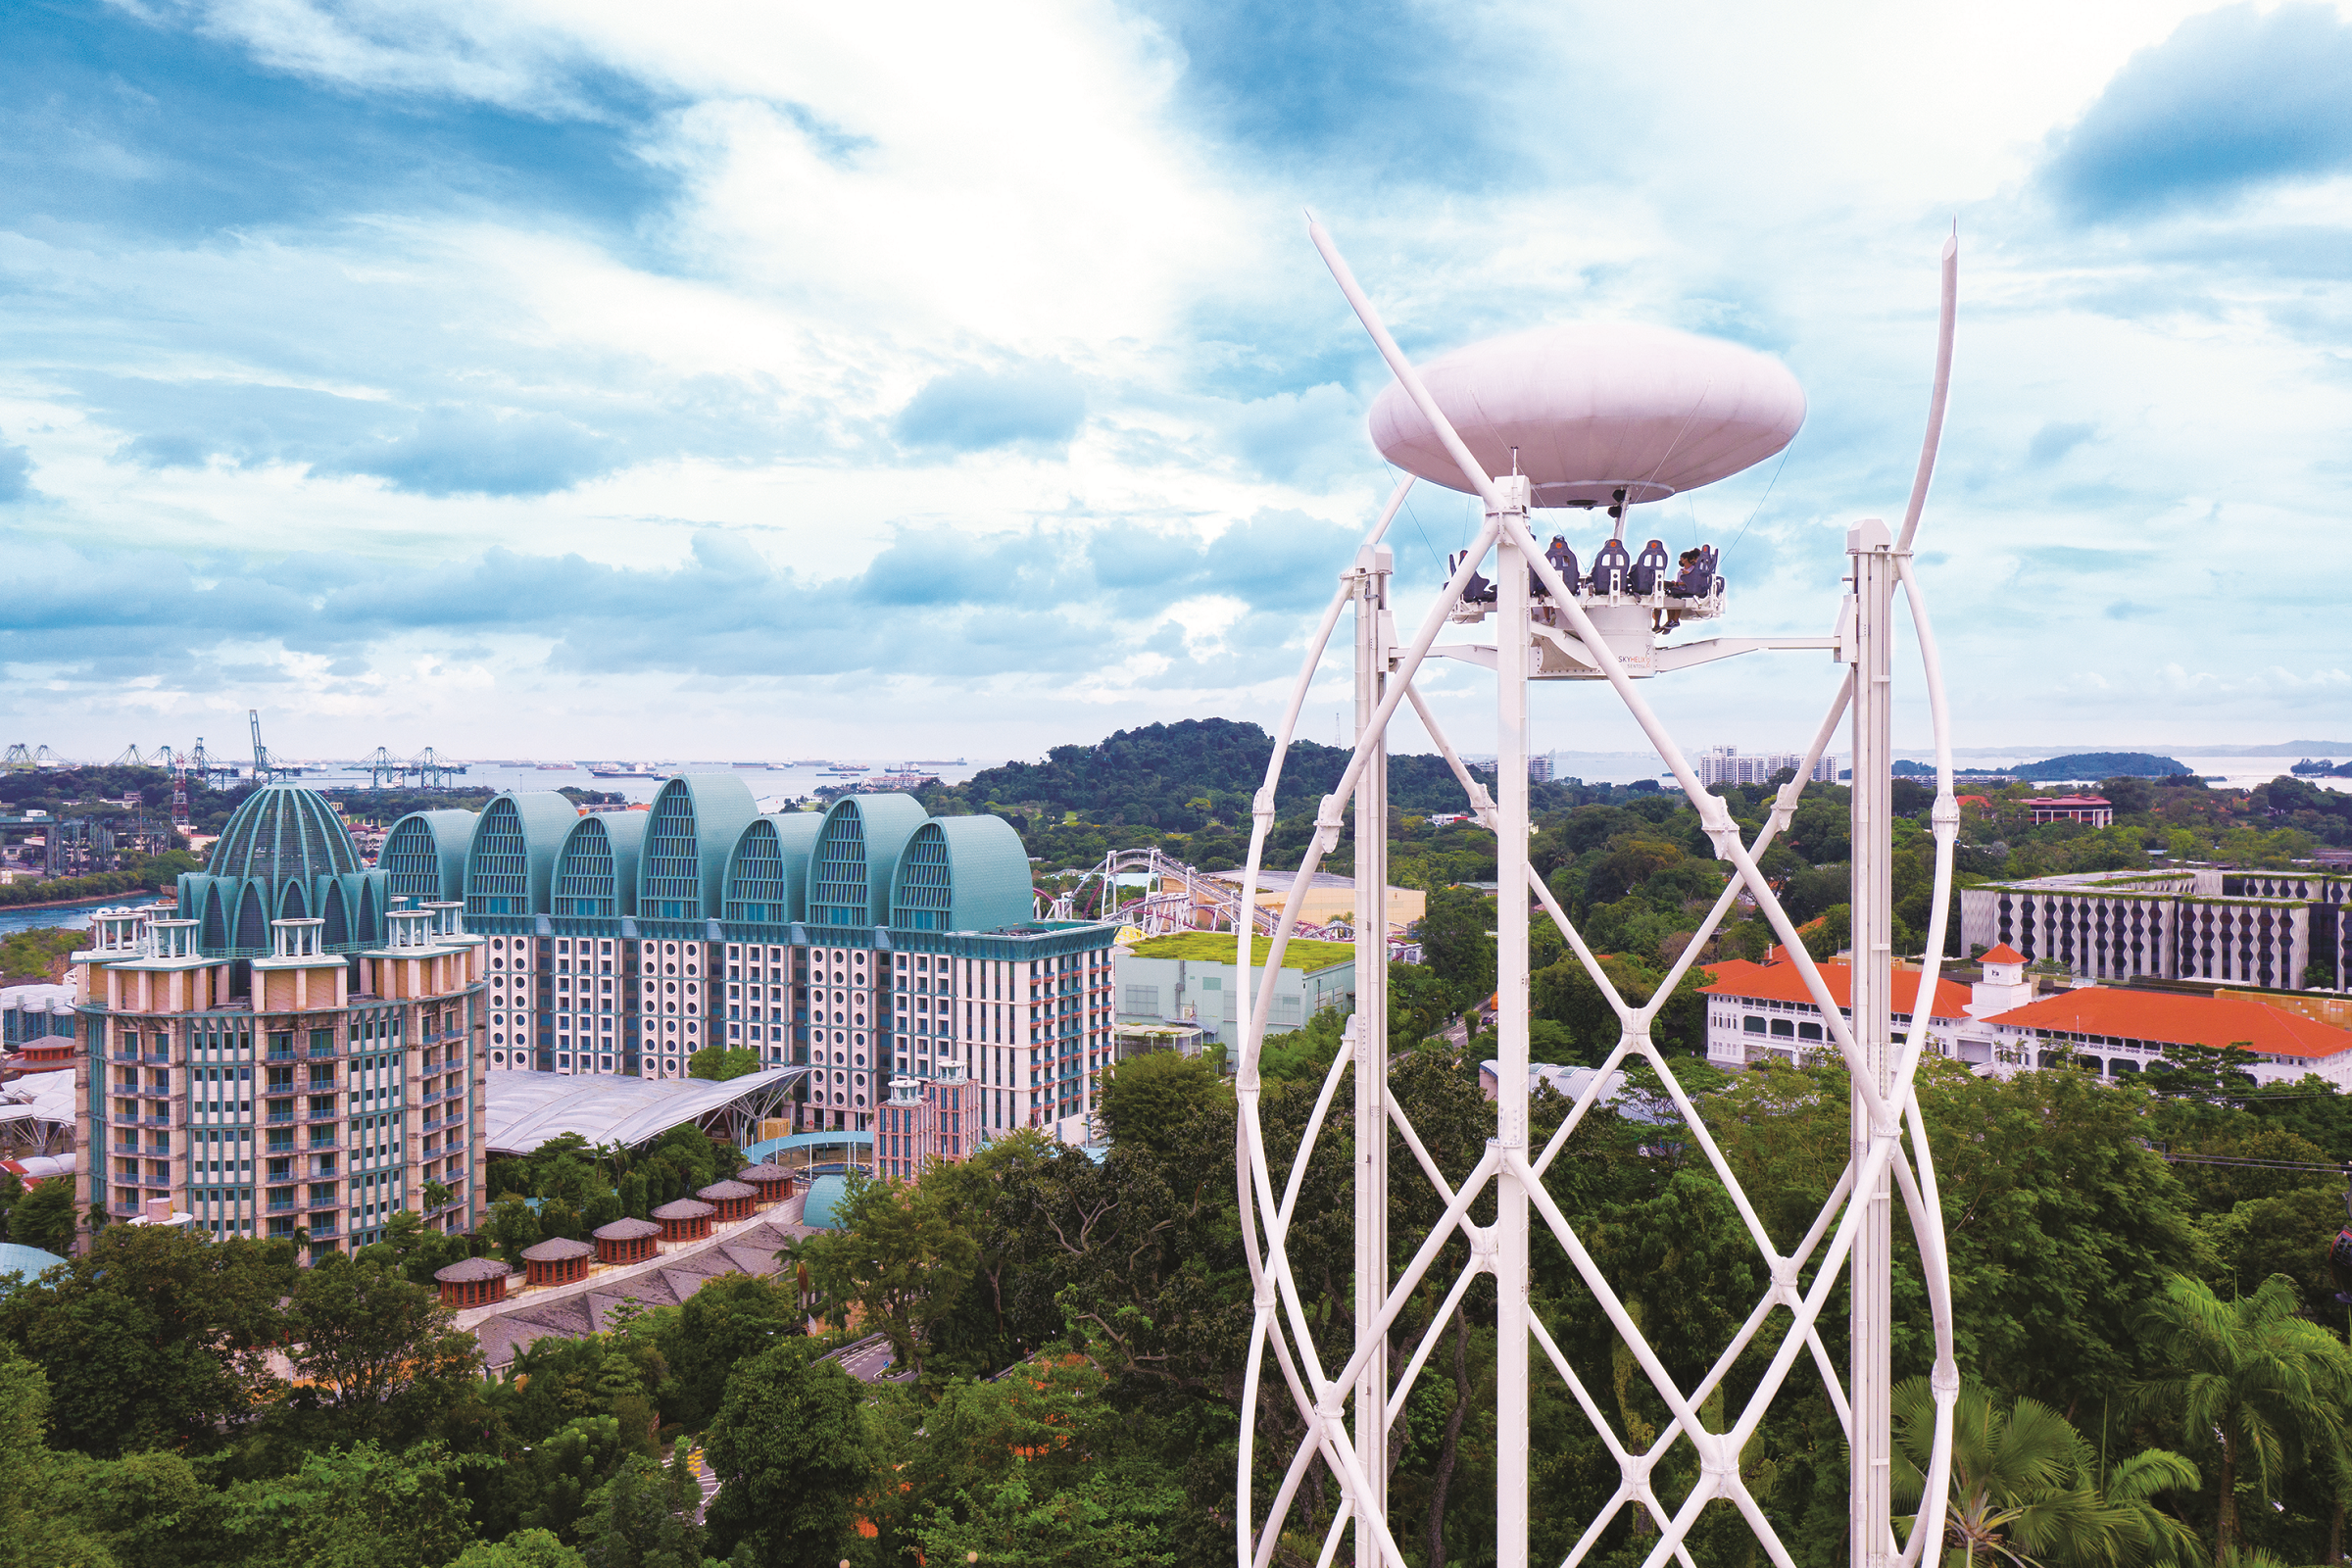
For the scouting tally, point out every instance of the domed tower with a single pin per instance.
(292, 1056)
(284, 856)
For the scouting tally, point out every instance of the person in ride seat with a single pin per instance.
(1695, 581)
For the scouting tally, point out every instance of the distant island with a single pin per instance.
(2077, 765)
(2104, 765)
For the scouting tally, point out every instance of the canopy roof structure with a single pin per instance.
(524, 1109)
(36, 1113)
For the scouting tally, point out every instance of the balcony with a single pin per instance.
(322, 1116)
(282, 1206)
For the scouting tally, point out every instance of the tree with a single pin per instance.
(44, 1217)
(1456, 941)
(727, 1322)
(2250, 1381)
(1418, 1005)
(2025, 1489)
(1145, 1098)
(643, 1518)
(154, 1338)
(722, 1062)
(566, 1470)
(899, 1256)
(358, 1507)
(525, 1549)
(791, 1451)
(376, 1345)
(1032, 1469)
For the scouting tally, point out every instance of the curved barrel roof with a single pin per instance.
(512, 860)
(857, 857)
(962, 874)
(596, 865)
(767, 875)
(688, 838)
(424, 854)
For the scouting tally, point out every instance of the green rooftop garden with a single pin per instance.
(1216, 947)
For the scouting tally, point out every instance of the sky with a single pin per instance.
(730, 380)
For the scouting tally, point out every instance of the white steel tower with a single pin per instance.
(1596, 416)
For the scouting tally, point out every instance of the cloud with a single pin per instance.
(972, 410)
(2233, 99)
(473, 452)
(15, 473)
(2054, 441)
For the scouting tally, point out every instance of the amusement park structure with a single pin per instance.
(1596, 417)
(1172, 897)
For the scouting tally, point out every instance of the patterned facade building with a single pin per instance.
(2276, 930)
(297, 1052)
(869, 942)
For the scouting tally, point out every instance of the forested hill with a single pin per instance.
(1178, 776)
(2104, 765)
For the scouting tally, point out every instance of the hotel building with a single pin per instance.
(298, 1054)
(870, 942)
(2279, 930)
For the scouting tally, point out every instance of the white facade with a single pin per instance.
(1724, 765)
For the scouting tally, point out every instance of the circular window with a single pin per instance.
(861, 1098)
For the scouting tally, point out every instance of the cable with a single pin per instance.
(1760, 500)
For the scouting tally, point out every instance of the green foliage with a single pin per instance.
(793, 1455)
(1145, 1098)
(722, 1063)
(44, 1217)
(154, 1338)
(357, 1507)
(2027, 1487)
(376, 1348)
(2139, 765)
(1457, 945)
(643, 1518)
(727, 1322)
(1035, 1469)
(525, 1549)
(899, 1257)
(39, 954)
(2250, 1382)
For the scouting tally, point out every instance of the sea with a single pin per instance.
(774, 785)
(74, 916)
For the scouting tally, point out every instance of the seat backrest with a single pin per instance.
(1704, 571)
(1563, 561)
(1649, 567)
(1611, 567)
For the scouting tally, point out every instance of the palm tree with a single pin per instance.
(2027, 1492)
(2255, 1383)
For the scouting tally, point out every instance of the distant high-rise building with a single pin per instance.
(1724, 765)
(1538, 768)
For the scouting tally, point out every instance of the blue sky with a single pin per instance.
(719, 380)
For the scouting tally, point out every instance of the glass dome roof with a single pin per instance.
(284, 832)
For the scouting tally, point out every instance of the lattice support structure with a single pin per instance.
(1348, 1411)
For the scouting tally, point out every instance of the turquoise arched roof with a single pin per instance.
(283, 831)
(26, 1262)
(596, 866)
(820, 1209)
(512, 857)
(424, 854)
(767, 875)
(857, 857)
(962, 873)
(689, 837)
